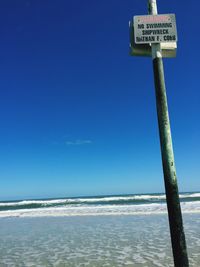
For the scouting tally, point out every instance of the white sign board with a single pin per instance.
(155, 29)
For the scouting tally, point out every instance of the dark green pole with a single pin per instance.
(172, 195)
(171, 187)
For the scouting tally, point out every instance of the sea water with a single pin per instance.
(97, 205)
(63, 233)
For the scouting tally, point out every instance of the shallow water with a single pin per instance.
(141, 241)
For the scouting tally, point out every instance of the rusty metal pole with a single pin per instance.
(172, 195)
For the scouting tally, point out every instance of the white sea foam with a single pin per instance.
(83, 200)
(96, 199)
(122, 198)
(144, 209)
(191, 195)
(29, 202)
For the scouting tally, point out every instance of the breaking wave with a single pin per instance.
(100, 205)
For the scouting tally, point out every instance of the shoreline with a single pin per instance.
(94, 214)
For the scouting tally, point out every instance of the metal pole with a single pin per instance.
(169, 170)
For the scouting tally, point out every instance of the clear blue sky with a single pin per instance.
(77, 113)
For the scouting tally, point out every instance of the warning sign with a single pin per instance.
(155, 29)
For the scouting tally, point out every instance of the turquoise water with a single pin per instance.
(104, 241)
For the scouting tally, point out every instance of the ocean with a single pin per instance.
(97, 205)
(106, 231)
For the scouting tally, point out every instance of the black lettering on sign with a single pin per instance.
(148, 39)
(138, 39)
(159, 25)
(154, 32)
(169, 38)
(140, 26)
